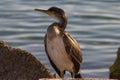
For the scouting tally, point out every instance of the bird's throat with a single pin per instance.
(63, 23)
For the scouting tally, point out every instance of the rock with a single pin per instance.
(17, 64)
(115, 68)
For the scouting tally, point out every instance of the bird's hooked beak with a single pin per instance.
(47, 12)
(43, 11)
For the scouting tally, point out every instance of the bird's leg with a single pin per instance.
(62, 74)
(72, 75)
(76, 75)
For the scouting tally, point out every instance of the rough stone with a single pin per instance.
(17, 64)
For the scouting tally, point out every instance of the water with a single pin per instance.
(93, 23)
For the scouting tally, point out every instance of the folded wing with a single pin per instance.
(72, 47)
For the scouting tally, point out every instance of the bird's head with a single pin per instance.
(54, 12)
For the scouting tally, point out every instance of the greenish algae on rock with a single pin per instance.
(115, 68)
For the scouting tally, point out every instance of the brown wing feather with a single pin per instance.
(72, 47)
(53, 65)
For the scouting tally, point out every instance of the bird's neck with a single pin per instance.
(63, 23)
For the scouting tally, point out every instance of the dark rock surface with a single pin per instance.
(17, 64)
(115, 68)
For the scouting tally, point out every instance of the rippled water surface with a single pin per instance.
(95, 24)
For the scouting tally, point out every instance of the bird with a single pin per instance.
(62, 49)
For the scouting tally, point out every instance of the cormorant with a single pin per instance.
(62, 50)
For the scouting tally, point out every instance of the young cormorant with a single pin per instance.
(62, 50)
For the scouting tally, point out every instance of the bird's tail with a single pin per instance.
(78, 75)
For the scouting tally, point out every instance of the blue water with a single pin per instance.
(95, 24)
